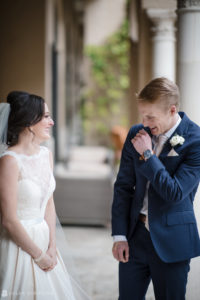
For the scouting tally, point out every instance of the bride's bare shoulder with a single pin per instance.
(8, 161)
(9, 171)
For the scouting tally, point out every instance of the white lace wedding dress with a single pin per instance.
(20, 276)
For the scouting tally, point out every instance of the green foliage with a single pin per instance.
(106, 98)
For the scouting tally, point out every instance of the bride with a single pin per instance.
(30, 264)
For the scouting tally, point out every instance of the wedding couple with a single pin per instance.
(153, 222)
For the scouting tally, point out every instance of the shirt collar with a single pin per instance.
(171, 130)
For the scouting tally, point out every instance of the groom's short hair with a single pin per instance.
(160, 90)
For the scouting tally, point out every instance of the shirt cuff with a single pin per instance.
(119, 238)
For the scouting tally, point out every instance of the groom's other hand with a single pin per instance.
(142, 141)
(120, 251)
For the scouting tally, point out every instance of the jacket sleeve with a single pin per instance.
(183, 182)
(123, 189)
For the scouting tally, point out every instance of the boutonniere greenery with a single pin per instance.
(177, 140)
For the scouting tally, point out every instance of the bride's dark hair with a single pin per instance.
(25, 110)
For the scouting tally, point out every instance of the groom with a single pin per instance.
(153, 222)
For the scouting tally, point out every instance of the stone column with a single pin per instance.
(164, 41)
(189, 57)
(189, 83)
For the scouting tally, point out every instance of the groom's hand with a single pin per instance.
(120, 251)
(142, 141)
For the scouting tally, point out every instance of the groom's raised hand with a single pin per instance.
(142, 141)
(120, 251)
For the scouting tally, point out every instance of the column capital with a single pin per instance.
(163, 42)
(158, 15)
(188, 3)
(163, 21)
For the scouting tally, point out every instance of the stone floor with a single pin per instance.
(96, 269)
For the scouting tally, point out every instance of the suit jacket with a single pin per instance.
(173, 184)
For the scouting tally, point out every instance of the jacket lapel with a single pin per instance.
(181, 130)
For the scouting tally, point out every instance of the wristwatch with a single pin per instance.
(147, 154)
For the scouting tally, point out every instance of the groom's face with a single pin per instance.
(157, 117)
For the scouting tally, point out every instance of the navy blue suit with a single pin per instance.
(173, 184)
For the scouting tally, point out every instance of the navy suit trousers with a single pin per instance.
(169, 279)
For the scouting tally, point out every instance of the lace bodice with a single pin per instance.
(35, 184)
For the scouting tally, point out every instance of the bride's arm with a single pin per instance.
(8, 207)
(50, 217)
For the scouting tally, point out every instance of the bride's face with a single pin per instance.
(41, 129)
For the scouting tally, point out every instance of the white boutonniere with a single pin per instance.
(177, 140)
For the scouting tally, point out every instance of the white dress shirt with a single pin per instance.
(144, 210)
